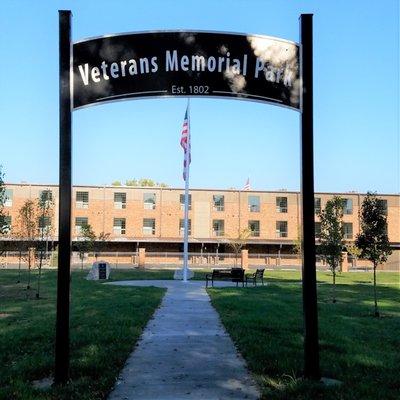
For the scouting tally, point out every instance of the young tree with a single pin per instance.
(45, 212)
(4, 226)
(373, 240)
(298, 245)
(85, 241)
(27, 223)
(116, 183)
(332, 236)
(354, 251)
(100, 243)
(237, 243)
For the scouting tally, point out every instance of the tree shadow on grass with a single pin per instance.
(266, 323)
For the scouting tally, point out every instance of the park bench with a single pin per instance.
(259, 274)
(231, 274)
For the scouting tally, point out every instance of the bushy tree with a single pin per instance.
(332, 236)
(85, 242)
(144, 182)
(373, 239)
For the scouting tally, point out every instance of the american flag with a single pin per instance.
(247, 185)
(185, 141)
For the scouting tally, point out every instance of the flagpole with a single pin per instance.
(186, 216)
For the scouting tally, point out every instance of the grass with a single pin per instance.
(273, 276)
(106, 321)
(356, 348)
(147, 273)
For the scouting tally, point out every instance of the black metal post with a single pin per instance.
(65, 188)
(310, 310)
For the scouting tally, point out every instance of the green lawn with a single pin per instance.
(106, 321)
(273, 276)
(265, 323)
(356, 348)
(140, 274)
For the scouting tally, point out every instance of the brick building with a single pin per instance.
(152, 217)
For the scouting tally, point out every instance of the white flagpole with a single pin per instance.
(186, 217)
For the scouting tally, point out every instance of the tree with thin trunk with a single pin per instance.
(4, 224)
(298, 244)
(100, 243)
(27, 229)
(373, 239)
(85, 241)
(45, 212)
(237, 243)
(4, 228)
(332, 236)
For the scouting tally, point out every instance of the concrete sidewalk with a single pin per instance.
(184, 352)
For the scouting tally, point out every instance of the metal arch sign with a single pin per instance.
(177, 63)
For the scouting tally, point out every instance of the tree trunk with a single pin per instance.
(19, 266)
(376, 313)
(334, 286)
(29, 271)
(40, 273)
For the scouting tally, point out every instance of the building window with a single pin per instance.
(348, 230)
(182, 201)
(317, 229)
(281, 229)
(218, 200)
(6, 228)
(149, 226)
(254, 227)
(254, 203)
(383, 206)
(8, 197)
(79, 222)
(119, 200)
(317, 205)
(281, 204)
(44, 225)
(46, 196)
(82, 199)
(149, 201)
(119, 226)
(218, 227)
(348, 206)
(182, 227)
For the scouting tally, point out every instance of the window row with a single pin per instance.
(44, 196)
(43, 224)
(149, 227)
(149, 202)
(348, 206)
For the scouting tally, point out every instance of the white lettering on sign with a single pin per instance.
(274, 74)
(175, 62)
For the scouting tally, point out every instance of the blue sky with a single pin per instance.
(356, 83)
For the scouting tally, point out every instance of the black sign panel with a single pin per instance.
(102, 270)
(157, 64)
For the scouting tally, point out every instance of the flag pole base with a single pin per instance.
(179, 274)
